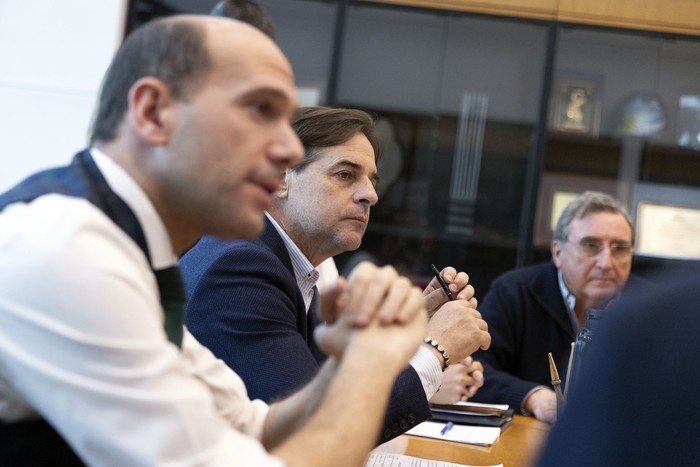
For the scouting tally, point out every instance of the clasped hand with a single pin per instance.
(377, 309)
(460, 381)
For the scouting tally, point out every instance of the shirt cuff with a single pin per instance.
(427, 366)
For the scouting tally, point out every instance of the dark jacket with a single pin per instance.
(527, 319)
(245, 305)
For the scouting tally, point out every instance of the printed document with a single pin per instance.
(382, 459)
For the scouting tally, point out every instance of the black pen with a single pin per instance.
(442, 282)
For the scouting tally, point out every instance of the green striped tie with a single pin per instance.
(172, 298)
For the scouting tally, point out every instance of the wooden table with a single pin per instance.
(517, 446)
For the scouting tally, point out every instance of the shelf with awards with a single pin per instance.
(481, 115)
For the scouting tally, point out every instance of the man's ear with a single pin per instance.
(283, 190)
(150, 108)
(555, 247)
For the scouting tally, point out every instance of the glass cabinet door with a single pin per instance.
(457, 99)
(305, 31)
(624, 118)
(477, 162)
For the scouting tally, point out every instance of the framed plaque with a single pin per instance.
(668, 231)
(575, 106)
(667, 220)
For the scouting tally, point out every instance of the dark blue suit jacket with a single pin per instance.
(637, 402)
(527, 319)
(245, 305)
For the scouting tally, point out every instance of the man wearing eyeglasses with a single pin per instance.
(539, 309)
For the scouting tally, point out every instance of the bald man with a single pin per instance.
(192, 132)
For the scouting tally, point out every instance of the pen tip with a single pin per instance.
(552, 368)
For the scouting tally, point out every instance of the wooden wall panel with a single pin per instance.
(681, 16)
(676, 16)
(541, 9)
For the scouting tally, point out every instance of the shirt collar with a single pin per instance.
(305, 274)
(569, 301)
(157, 238)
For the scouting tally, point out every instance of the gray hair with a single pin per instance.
(586, 203)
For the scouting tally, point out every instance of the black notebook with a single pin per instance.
(467, 413)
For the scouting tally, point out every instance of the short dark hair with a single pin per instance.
(322, 127)
(170, 49)
(586, 203)
(247, 11)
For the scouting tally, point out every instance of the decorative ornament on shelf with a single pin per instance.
(642, 114)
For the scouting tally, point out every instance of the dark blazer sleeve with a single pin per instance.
(407, 407)
(245, 309)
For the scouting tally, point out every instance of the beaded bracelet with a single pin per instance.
(440, 349)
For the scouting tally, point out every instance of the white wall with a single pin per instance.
(52, 58)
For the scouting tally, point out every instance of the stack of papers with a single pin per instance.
(471, 434)
(380, 459)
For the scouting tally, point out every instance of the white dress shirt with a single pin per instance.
(82, 342)
(569, 301)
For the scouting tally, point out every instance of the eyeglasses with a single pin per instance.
(591, 247)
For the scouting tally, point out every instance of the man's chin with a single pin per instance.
(247, 228)
(351, 242)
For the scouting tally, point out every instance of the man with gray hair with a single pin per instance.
(539, 309)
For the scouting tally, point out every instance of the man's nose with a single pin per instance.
(604, 258)
(287, 151)
(367, 193)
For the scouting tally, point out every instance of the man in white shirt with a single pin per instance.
(191, 134)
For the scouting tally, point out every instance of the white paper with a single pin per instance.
(381, 459)
(480, 435)
(485, 406)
